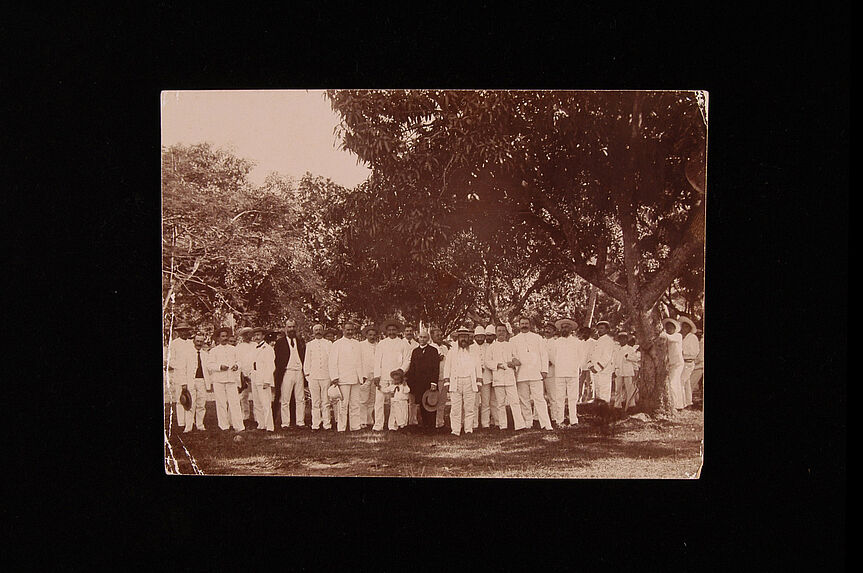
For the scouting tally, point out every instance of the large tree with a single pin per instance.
(611, 184)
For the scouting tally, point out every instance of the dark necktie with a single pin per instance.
(199, 373)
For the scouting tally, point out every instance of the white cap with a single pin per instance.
(479, 331)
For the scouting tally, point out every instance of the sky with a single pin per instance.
(289, 131)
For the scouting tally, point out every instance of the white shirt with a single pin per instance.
(691, 347)
(530, 349)
(223, 354)
(346, 361)
(391, 354)
(603, 354)
(570, 354)
(294, 362)
(246, 356)
(180, 353)
(590, 349)
(500, 353)
(317, 361)
(550, 348)
(675, 348)
(461, 363)
(629, 358)
(368, 353)
(263, 364)
(479, 351)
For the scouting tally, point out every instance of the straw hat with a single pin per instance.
(572, 324)
(672, 321)
(686, 320)
(368, 327)
(392, 322)
(430, 400)
(334, 393)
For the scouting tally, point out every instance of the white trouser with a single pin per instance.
(380, 401)
(195, 416)
(292, 384)
(555, 390)
(532, 390)
(320, 403)
(624, 392)
(487, 403)
(602, 385)
(686, 378)
(508, 396)
(262, 400)
(463, 396)
(367, 402)
(244, 402)
(570, 394)
(398, 414)
(695, 378)
(676, 384)
(350, 403)
(228, 406)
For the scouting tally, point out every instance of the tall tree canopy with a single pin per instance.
(608, 186)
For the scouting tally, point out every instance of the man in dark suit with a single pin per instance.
(423, 371)
(289, 379)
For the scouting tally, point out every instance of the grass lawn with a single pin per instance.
(626, 449)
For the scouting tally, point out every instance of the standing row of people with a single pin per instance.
(542, 379)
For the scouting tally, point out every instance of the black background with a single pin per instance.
(83, 195)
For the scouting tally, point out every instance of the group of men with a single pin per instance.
(541, 378)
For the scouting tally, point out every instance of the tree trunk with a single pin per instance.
(654, 395)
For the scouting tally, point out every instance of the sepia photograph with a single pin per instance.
(434, 283)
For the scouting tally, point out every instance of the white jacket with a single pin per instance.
(246, 356)
(391, 354)
(316, 364)
(263, 364)
(479, 351)
(532, 352)
(603, 354)
(461, 363)
(223, 354)
(346, 361)
(500, 353)
(570, 354)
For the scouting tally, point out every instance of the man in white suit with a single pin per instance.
(501, 360)
(602, 364)
(368, 347)
(176, 364)
(531, 351)
(391, 354)
(462, 378)
(317, 370)
(346, 372)
(263, 381)
(225, 377)
(245, 354)
(691, 348)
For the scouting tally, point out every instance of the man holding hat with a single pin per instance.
(245, 354)
(179, 354)
(224, 374)
(346, 372)
(602, 363)
(671, 333)
(391, 354)
(462, 377)
(368, 348)
(316, 367)
(570, 354)
(424, 371)
(531, 351)
(263, 379)
(501, 360)
(691, 348)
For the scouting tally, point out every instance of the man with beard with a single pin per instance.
(530, 349)
(263, 381)
(443, 348)
(346, 372)
(478, 350)
(424, 371)
(290, 354)
(368, 347)
(602, 365)
(462, 378)
(179, 353)
(392, 354)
